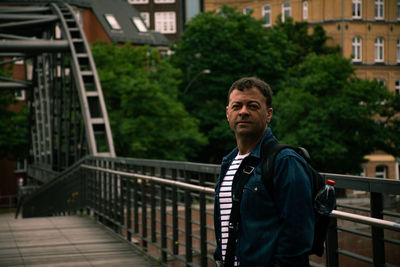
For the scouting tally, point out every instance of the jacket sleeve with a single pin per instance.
(293, 197)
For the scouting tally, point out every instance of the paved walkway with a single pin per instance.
(63, 241)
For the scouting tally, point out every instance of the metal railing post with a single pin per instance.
(378, 244)
(136, 205)
(153, 207)
(128, 210)
(144, 215)
(188, 223)
(203, 226)
(332, 244)
(175, 237)
(163, 221)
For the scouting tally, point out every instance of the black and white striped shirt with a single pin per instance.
(225, 201)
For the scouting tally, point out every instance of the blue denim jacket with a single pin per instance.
(278, 230)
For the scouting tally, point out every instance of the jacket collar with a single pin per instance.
(256, 152)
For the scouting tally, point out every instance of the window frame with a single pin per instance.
(247, 10)
(305, 10)
(379, 9)
(164, 22)
(138, 2)
(381, 173)
(164, 1)
(356, 46)
(398, 51)
(20, 166)
(357, 9)
(112, 21)
(379, 50)
(398, 9)
(286, 6)
(139, 24)
(146, 18)
(264, 13)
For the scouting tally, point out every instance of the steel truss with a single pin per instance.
(68, 114)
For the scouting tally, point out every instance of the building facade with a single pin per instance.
(368, 31)
(168, 16)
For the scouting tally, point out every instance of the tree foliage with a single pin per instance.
(232, 45)
(318, 102)
(13, 123)
(141, 92)
(335, 115)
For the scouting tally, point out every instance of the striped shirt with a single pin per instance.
(225, 200)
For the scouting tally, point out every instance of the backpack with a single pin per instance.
(268, 154)
(318, 182)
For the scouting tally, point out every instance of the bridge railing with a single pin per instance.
(165, 208)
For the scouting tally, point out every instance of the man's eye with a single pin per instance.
(235, 107)
(253, 107)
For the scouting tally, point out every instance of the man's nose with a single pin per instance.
(244, 110)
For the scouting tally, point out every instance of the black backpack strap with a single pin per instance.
(268, 154)
(242, 175)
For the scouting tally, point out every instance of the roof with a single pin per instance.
(122, 11)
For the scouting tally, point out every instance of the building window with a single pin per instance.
(20, 95)
(398, 9)
(356, 9)
(397, 87)
(381, 171)
(78, 14)
(139, 24)
(247, 11)
(305, 10)
(165, 22)
(381, 81)
(379, 7)
(286, 10)
(138, 1)
(379, 49)
(146, 18)
(266, 14)
(28, 69)
(356, 47)
(112, 21)
(164, 1)
(20, 166)
(398, 51)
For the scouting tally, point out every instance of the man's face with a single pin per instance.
(247, 113)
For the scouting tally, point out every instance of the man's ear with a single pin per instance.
(270, 112)
(226, 112)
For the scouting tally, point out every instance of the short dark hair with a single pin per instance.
(250, 82)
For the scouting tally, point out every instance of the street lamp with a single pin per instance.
(205, 71)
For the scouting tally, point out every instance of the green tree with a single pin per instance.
(232, 45)
(141, 93)
(335, 115)
(13, 123)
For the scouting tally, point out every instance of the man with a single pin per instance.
(273, 230)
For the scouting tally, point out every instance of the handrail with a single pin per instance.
(366, 220)
(202, 189)
(198, 188)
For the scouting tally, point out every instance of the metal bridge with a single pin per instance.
(163, 208)
(68, 117)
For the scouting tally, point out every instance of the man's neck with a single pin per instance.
(246, 145)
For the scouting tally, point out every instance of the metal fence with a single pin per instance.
(165, 208)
